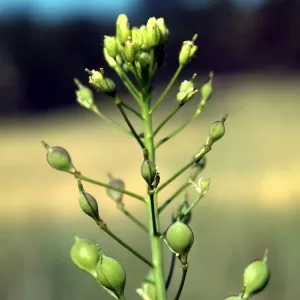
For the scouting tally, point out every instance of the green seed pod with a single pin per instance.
(130, 51)
(207, 89)
(122, 28)
(148, 171)
(88, 204)
(256, 276)
(85, 255)
(163, 30)
(110, 44)
(115, 195)
(84, 95)
(59, 158)
(111, 275)
(216, 132)
(152, 33)
(180, 238)
(148, 290)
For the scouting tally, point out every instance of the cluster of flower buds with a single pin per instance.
(107, 271)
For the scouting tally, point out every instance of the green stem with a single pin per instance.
(137, 137)
(197, 157)
(104, 227)
(160, 126)
(132, 110)
(184, 125)
(180, 190)
(171, 270)
(107, 119)
(108, 186)
(200, 196)
(184, 272)
(132, 218)
(155, 240)
(165, 92)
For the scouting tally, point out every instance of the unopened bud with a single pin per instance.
(88, 203)
(85, 255)
(163, 30)
(187, 90)
(256, 276)
(188, 51)
(111, 275)
(110, 44)
(136, 36)
(115, 195)
(130, 51)
(122, 28)
(101, 83)
(180, 238)
(59, 158)
(84, 95)
(216, 131)
(143, 31)
(207, 89)
(152, 33)
(110, 60)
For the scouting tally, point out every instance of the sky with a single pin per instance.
(61, 10)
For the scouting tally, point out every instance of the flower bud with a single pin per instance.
(206, 89)
(186, 91)
(180, 238)
(136, 36)
(148, 171)
(122, 28)
(101, 83)
(256, 276)
(110, 61)
(111, 275)
(84, 95)
(197, 168)
(188, 51)
(59, 158)
(110, 44)
(85, 255)
(216, 131)
(130, 51)
(163, 30)
(115, 195)
(152, 33)
(144, 59)
(143, 32)
(88, 203)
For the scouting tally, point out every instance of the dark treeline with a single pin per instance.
(38, 62)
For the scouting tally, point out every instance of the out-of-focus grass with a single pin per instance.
(253, 202)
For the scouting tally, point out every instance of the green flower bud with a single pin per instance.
(188, 51)
(136, 36)
(143, 32)
(152, 33)
(85, 96)
(130, 51)
(148, 171)
(115, 195)
(206, 89)
(148, 290)
(256, 276)
(216, 131)
(111, 275)
(88, 204)
(144, 59)
(187, 90)
(180, 238)
(101, 83)
(197, 168)
(163, 30)
(110, 60)
(59, 158)
(110, 44)
(122, 28)
(85, 255)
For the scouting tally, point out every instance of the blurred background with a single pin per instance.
(253, 46)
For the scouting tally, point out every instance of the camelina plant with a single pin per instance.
(137, 54)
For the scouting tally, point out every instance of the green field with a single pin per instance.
(253, 202)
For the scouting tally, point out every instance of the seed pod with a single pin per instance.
(148, 171)
(84, 95)
(59, 158)
(88, 203)
(148, 290)
(216, 131)
(111, 275)
(115, 195)
(85, 255)
(206, 89)
(180, 238)
(256, 276)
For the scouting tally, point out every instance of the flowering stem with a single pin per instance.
(200, 196)
(154, 226)
(137, 137)
(184, 125)
(181, 189)
(104, 227)
(197, 157)
(108, 186)
(165, 92)
(160, 126)
(184, 272)
(132, 110)
(132, 218)
(171, 270)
